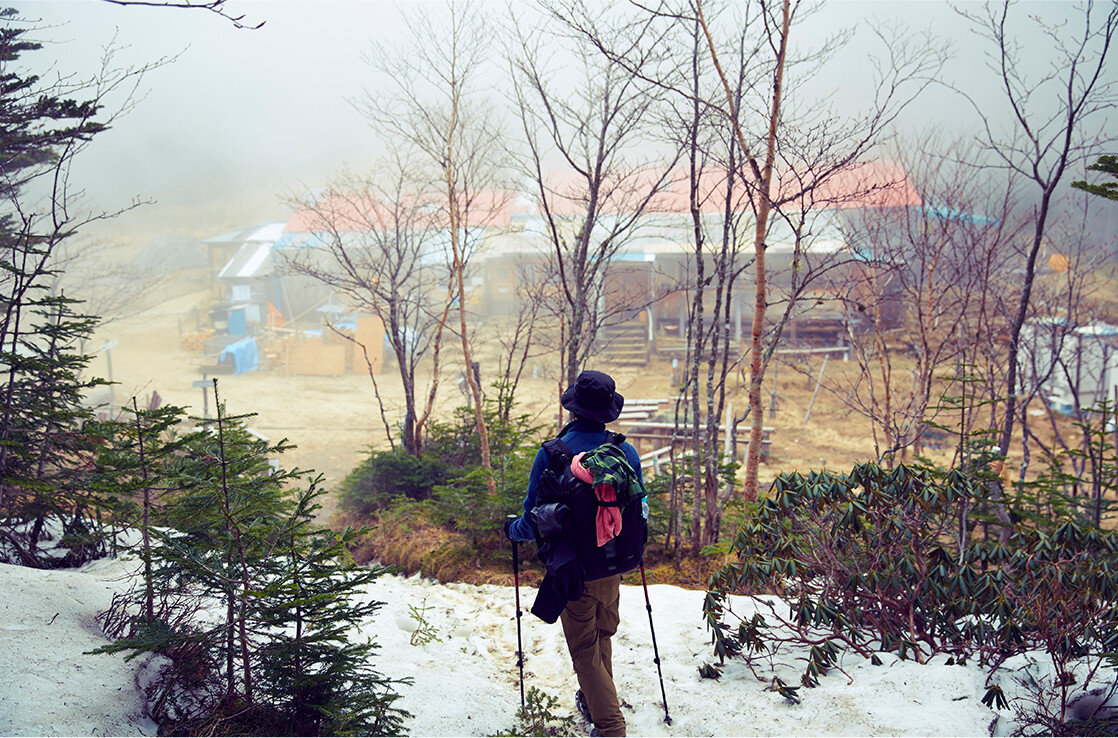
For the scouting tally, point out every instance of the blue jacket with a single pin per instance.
(581, 435)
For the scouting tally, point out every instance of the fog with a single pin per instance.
(236, 111)
(229, 120)
(241, 116)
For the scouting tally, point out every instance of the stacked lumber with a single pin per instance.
(197, 341)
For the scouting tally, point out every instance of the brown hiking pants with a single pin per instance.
(588, 624)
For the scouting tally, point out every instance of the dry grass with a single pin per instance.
(835, 437)
(410, 544)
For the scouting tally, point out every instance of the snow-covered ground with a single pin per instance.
(48, 685)
(466, 683)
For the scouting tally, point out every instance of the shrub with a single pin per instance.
(658, 489)
(860, 559)
(387, 475)
(465, 502)
(467, 505)
(539, 717)
(882, 560)
(676, 480)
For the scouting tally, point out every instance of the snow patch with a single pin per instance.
(467, 682)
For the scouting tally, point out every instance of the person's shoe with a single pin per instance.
(582, 707)
(594, 732)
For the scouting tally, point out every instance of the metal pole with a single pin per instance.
(516, 587)
(818, 382)
(655, 650)
(109, 366)
(772, 401)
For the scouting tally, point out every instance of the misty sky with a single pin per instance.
(259, 111)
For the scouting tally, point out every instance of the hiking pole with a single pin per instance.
(516, 586)
(655, 650)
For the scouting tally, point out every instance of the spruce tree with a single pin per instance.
(251, 603)
(1108, 165)
(140, 461)
(48, 516)
(44, 451)
(310, 668)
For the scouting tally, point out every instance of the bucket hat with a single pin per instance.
(594, 396)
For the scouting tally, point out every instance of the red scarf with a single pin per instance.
(608, 520)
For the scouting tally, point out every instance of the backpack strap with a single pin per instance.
(559, 454)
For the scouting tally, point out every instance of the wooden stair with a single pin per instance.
(625, 344)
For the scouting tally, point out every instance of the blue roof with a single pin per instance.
(944, 213)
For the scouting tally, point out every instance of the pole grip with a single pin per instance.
(515, 553)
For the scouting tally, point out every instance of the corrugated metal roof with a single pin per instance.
(674, 234)
(251, 260)
(270, 232)
(256, 260)
(267, 232)
(225, 237)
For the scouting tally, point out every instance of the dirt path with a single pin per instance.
(334, 420)
(330, 419)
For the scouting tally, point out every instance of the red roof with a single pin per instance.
(362, 211)
(864, 185)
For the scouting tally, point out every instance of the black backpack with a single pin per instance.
(559, 487)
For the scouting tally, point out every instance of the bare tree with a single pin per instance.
(922, 296)
(213, 6)
(751, 161)
(1058, 118)
(369, 238)
(586, 157)
(776, 31)
(672, 58)
(1064, 360)
(811, 150)
(519, 337)
(433, 105)
(719, 213)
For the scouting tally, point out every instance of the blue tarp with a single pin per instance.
(243, 352)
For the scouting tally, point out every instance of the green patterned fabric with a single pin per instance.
(608, 465)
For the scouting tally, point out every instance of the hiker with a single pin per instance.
(588, 609)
